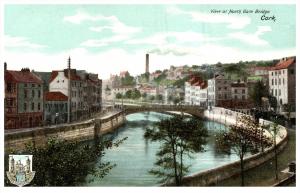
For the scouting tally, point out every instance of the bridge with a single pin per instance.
(190, 109)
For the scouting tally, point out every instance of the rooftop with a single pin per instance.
(23, 76)
(55, 96)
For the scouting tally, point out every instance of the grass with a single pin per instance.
(264, 175)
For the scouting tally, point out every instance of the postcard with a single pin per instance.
(149, 95)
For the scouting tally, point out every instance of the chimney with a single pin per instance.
(5, 66)
(69, 62)
(147, 63)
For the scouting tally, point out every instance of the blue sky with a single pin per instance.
(109, 38)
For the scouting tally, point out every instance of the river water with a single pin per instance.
(136, 156)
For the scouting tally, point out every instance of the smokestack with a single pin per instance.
(147, 63)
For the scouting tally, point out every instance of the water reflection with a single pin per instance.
(136, 156)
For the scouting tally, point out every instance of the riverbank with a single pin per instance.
(214, 176)
(263, 175)
(17, 139)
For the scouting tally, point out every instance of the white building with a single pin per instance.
(121, 89)
(282, 81)
(196, 92)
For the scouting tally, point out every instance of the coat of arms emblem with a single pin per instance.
(20, 169)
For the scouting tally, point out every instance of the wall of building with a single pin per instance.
(79, 132)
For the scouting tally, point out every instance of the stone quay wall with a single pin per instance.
(213, 176)
(17, 140)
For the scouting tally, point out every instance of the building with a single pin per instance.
(219, 90)
(55, 108)
(23, 99)
(196, 92)
(121, 89)
(239, 91)
(282, 81)
(149, 90)
(84, 90)
(171, 93)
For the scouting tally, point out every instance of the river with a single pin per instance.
(136, 156)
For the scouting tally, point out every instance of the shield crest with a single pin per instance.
(20, 170)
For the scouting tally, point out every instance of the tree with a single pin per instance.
(135, 94)
(127, 80)
(273, 102)
(274, 130)
(65, 163)
(258, 91)
(242, 138)
(119, 95)
(144, 95)
(179, 137)
(151, 98)
(128, 94)
(159, 97)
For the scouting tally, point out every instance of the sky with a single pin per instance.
(107, 39)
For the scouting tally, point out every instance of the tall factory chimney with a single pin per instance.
(147, 63)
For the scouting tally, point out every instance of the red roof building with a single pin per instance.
(55, 96)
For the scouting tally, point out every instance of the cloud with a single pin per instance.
(104, 41)
(20, 42)
(113, 23)
(233, 22)
(120, 31)
(252, 38)
(179, 37)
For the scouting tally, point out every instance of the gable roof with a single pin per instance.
(23, 76)
(285, 63)
(74, 75)
(55, 96)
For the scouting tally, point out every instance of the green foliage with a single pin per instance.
(179, 137)
(136, 94)
(245, 136)
(273, 102)
(119, 95)
(258, 91)
(62, 163)
(128, 94)
(127, 80)
(160, 78)
(159, 97)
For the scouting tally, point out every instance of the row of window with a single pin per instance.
(279, 81)
(56, 107)
(32, 85)
(274, 92)
(32, 94)
(278, 72)
(27, 106)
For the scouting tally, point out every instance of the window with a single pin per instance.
(235, 97)
(275, 81)
(292, 71)
(279, 81)
(225, 87)
(57, 81)
(39, 94)
(32, 106)
(235, 90)
(39, 106)
(25, 94)
(282, 71)
(272, 81)
(243, 91)
(283, 81)
(243, 97)
(275, 73)
(33, 85)
(10, 87)
(25, 106)
(32, 94)
(275, 92)
(279, 92)
(272, 73)
(63, 80)
(25, 85)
